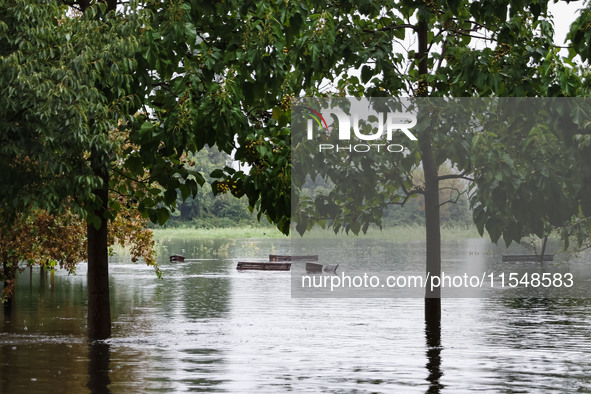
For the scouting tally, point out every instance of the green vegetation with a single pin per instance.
(207, 210)
(101, 104)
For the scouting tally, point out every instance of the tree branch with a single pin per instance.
(121, 194)
(392, 28)
(464, 33)
(456, 176)
(147, 181)
(166, 85)
(409, 194)
(457, 196)
(443, 50)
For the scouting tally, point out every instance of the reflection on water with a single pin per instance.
(433, 342)
(207, 327)
(99, 356)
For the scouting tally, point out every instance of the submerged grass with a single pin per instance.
(399, 233)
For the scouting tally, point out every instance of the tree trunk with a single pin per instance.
(9, 270)
(99, 304)
(431, 194)
(42, 276)
(5, 273)
(432, 218)
(430, 170)
(543, 248)
(8, 276)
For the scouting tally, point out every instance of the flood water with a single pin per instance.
(208, 327)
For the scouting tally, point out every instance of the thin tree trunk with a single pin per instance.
(99, 304)
(432, 218)
(42, 277)
(543, 248)
(431, 194)
(8, 275)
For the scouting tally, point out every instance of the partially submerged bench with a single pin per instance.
(278, 262)
(263, 266)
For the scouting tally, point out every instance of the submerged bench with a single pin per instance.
(263, 266)
(279, 262)
(177, 258)
(314, 268)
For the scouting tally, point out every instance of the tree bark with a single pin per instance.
(543, 248)
(431, 193)
(8, 303)
(9, 270)
(432, 223)
(99, 303)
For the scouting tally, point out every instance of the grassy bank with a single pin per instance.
(216, 233)
(401, 233)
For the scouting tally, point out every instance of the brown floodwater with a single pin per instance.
(208, 327)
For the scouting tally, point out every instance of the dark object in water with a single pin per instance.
(278, 257)
(313, 267)
(177, 258)
(527, 257)
(331, 268)
(263, 266)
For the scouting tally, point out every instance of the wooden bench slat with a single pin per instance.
(263, 266)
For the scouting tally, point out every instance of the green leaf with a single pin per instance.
(217, 173)
(162, 215)
(170, 196)
(366, 74)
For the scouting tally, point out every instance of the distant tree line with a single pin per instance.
(455, 208)
(207, 209)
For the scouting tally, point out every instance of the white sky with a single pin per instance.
(564, 14)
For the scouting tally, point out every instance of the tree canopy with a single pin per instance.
(463, 49)
(106, 101)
